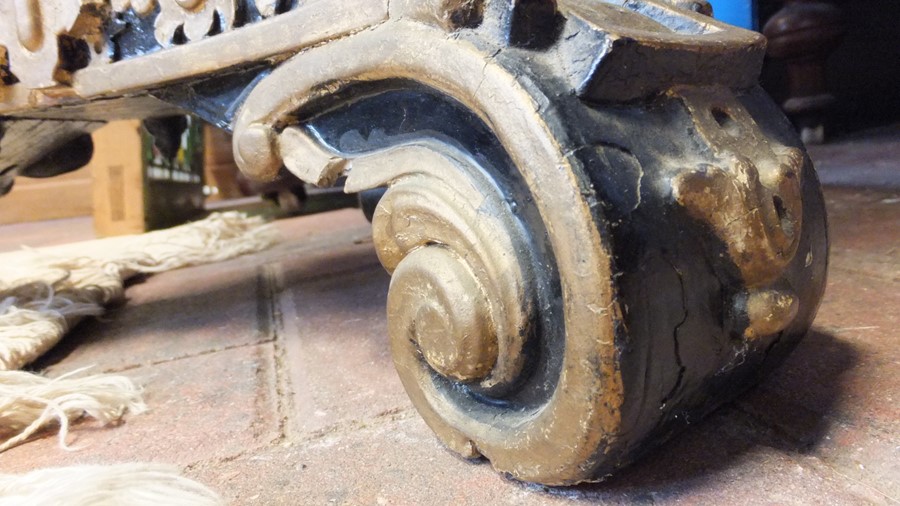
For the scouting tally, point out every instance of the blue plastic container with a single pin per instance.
(736, 12)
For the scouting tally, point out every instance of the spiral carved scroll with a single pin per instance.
(195, 19)
(466, 288)
(461, 295)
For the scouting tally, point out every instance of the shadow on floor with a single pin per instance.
(184, 312)
(791, 412)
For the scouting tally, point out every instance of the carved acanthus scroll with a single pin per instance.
(462, 395)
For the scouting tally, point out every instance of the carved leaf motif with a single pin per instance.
(196, 18)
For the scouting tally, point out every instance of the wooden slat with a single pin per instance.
(47, 199)
(118, 179)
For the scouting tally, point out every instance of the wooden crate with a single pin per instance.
(117, 169)
(136, 189)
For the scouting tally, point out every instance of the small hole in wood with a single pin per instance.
(726, 121)
(783, 216)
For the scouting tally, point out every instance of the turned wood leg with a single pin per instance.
(803, 34)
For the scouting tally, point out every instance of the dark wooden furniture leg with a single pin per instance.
(803, 34)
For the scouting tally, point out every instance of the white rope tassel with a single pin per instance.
(121, 484)
(45, 292)
(29, 402)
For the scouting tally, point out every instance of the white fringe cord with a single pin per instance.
(29, 402)
(43, 293)
(117, 485)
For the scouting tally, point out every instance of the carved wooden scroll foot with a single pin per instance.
(599, 228)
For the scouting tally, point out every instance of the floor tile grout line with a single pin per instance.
(337, 429)
(270, 285)
(310, 246)
(271, 281)
(348, 427)
(131, 367)
(324, 276)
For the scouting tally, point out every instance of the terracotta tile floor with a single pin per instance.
(270, 379)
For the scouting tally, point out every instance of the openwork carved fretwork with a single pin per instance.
(47, 39)
(140, 7)
(193, 19)
(36, 35)
(598, 226)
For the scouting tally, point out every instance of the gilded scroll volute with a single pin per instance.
(461, 287)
